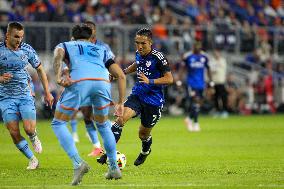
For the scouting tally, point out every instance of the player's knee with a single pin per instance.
(29, 130)
(143, 135)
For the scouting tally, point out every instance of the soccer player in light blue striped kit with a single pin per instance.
(88, 85)
(16, 100)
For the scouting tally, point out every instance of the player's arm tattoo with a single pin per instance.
(57, 63)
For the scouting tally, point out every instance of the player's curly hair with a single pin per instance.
(145, 32)
(81, 32)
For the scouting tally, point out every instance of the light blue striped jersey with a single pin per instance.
(87, 60)
(16, 62)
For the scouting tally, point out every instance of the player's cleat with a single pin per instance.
(196, 127)
(188, 124)
(224, 115)
(79, 173)
(37, 145)
(75, 137)
(103, 159)
(141, 158)
(96, 152)
(113, 174)
(33, 163)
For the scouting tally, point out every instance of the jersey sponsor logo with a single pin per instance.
(197, 64)
(165, 62)
(137, 62)
(148, 63)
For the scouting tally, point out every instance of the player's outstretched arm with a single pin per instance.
(43, 78)
(165, 80)
(130, 69)
(117, 72)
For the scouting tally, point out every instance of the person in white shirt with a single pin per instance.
(218, 65)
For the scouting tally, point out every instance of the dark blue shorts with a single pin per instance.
(198, 93)
(149, 114)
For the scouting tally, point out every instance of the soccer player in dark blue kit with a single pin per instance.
(196, 62)
(147, 97)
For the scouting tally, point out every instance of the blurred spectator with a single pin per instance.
(247, 37)
(59, 14)
(40, 11)
(192, 9)
(187, 34)
(233, 93)
(264, 51)
(246, 98)
(177, 98)
(218, 65)
(269, 88)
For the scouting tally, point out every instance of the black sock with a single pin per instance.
(146, 144)
(116, 130)
(32, 136)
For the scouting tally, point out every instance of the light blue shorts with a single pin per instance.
(14, 109)
(86, 93)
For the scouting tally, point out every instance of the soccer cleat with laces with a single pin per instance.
(37, 145)
(103, 159)
(79, 173)
(33, 163)
(141, 158)
(113, 174)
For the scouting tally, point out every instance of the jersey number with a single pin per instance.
(81, 50)
(156, 118)
(93, 51)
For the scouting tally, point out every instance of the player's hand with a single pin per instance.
(65, 81)
(49, 99)
(6, 77)
(111, 78)
(119, 108)
(211, 84)
(142, 78)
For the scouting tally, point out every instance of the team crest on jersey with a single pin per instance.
(148, 63)
(23, 57)
(165, 62)
(202, 59)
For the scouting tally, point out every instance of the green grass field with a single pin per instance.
(239, 152)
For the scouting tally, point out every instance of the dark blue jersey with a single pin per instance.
(154, 65)
(196, 65)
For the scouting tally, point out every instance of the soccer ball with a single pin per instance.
(120, 159)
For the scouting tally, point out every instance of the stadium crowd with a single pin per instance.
(258, 17)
